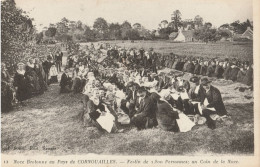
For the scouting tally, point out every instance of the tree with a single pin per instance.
(188, 24)
(115, 31)
(62, 28)
(51, 32)
(224, 33)
(206, 35)
(137, 26)
(89, 34)
(133, 34)
(164, 23)
(65, 21)
(101, 25)
(145, 34)
(176, 19)
(79, 25)
(198, 21)
(208, 25)
(225, 26)
(39, 37)
(125, 27)
(17, 34)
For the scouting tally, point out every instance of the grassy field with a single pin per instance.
(243, 51)
(49, 124)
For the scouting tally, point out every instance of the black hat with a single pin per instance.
(141, 89)
(194, 79)
(205, 81)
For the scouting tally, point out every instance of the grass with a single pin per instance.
(52, 121)
(221, 50)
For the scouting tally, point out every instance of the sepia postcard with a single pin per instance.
(130, 83)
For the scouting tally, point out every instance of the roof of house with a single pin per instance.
(173, 35)
(248, 33)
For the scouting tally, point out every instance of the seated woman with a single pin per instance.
(6, 90)
(65, 83)
(53, 77)
(97, 114)
(22, 84)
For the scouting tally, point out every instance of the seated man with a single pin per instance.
(248, 78)
(145, 116)
(183, 87)
(211, 103)
(166, 115)
(65, 82)
(211, 69)
(195, 94)
(128, 105)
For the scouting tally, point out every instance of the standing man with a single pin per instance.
(59, 61)
(153, 60)
(46, 65)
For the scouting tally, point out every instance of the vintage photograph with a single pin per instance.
(127, 77)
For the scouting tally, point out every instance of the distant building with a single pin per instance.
(182, 36)
(248, 34)
(173, 35)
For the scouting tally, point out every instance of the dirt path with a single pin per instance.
(49, 124)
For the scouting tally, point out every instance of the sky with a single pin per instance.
(147, 12)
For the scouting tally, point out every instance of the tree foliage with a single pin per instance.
(176, 19)
(17, 33)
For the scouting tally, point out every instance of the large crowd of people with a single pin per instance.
(125, 86)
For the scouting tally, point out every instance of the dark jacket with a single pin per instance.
(203, 70)
(233, 73)
(196, 97)
(166, 117)
(46, 65)
(210, 70)
(219, 71)
(248, 79)
(226, 73)
(65, 80)
(190, 68)
(215, 100)
(197, 69)
(240, 76)
(147, 107)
